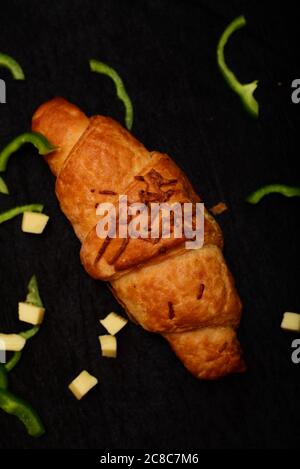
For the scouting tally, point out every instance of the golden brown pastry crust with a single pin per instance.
(186, 295)
(208, 353)
(63, 123)
(174, 188)
(185, 292)
(97, 164)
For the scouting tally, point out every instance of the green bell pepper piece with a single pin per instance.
(245, 92)
(9, 402)
(13, 212)
(100, 67)
(38, 140)
(3, 377)
(3, 187)
(283, 189)
(14, 405)
(17, 355)
(12, 65)
(33, 295)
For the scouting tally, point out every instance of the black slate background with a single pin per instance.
(165, 52)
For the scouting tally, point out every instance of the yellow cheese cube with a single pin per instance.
(108, 345)
(11, 342)
(291, 322)
(33, 222)
(31, 313)
(113, 323)
(81, 385)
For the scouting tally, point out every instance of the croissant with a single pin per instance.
(186, 295)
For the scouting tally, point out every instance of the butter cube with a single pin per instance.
(81, 385)
(108, 345)
(12, 342)
(33, 222)
(31, 313)
(291, 322)
(113, 323)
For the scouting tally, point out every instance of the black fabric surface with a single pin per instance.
(165, 52)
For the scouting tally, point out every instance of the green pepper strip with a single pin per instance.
(12, 65)
(3, 377)
(9, 402)
(283, 189)
(3, 187)
(100, 67)
(38, 140)
(33, 297)
(245, 92)
(13, 212)
(14, 405)
(17, 355)
(13, 361)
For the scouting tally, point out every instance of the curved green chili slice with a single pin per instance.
(10, 403)
(38, 140)
(12, 65)
(283, 189)
(33, 297)
(3, 377)
(13, 212)
(13, 361)
(3, 186)
(14, 405)
(100, 67)
(17, 355)
(30, 332)
(245, 92)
